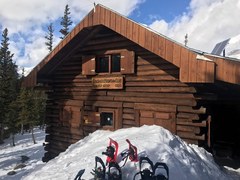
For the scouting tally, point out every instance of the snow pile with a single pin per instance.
(184, 161)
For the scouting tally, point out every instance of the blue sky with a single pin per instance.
(151, 10)
(206, 22)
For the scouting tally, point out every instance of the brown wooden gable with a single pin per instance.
(192, 70)
(226, 70)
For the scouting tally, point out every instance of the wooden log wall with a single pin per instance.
(153, 95)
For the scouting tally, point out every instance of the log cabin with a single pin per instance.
(111, 72)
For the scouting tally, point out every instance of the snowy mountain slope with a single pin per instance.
(184, 161)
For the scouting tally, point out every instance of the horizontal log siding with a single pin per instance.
(61, 134)
(156, 83)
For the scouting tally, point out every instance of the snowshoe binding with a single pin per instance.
(114, 171)
(146, 173)
(79, 174)
(151, 173)
(100, 169)
(160, 175)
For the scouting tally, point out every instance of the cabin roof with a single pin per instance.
(195, 66)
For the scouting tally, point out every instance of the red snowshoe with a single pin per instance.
(130, 153)
(111, 151)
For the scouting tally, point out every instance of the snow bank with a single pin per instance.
(184, 161)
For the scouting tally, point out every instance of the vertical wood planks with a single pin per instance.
(127, 62)
(154, 42)
(135, 32)
(107, 18)
(184, 70)
(192, 66)
(201, 67)
(219, 70)
(227, 70)
(90, 19)
(85, 22)
(123, 27)
(129, 30)
(141, 37)
(210, 69)
(118, 24)
(137, 117)
(96, 15)
(148, 40)
(237, 73)
(161, 46)
(119, 123)
(88, 65)
(112, 24)
(101, 15)
(176, 55)
(169, 50)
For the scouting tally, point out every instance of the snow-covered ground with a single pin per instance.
(10, 157)
(184, 161)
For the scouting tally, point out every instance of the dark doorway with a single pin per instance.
(225, 129)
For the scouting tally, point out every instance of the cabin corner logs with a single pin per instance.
(147, 91)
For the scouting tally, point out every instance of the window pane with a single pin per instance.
(115, 63)
(102, 64)
(106, 119)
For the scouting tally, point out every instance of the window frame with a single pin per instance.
(110, 58)
(108, 110)
(127, 62)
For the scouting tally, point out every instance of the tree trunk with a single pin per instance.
(22, 130)
(33, 138)
(1, 134)
(13, 139)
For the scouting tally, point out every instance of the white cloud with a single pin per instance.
(27, 20)
(160, 26)
(207, 22)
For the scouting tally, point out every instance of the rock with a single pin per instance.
(10, 173)
(24, 159)
(19, 166)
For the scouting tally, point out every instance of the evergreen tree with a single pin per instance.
(12, 120)
(31, 109)
(65, 22)
(49, 37)
(23, 115)
(8, 81)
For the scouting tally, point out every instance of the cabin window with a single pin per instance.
(106, 119)
(108, 63)
(114, 61)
